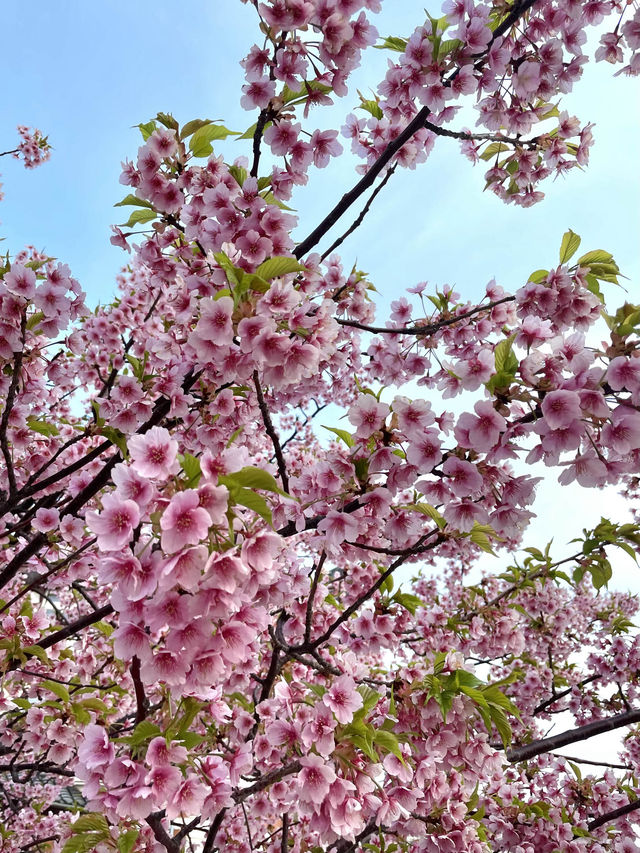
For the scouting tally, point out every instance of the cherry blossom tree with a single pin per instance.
(208, 635)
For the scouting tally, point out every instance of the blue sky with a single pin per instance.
(85, 73)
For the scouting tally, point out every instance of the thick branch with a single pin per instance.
(417, 123)
(362, 186)
(550, 744)
(613, 815)
(141, 699)
(161, 834)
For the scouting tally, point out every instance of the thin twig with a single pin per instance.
(429, 329)
(273, 435)
(357, 222)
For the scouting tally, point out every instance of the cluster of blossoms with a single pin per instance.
(202, 634)
(33, 150)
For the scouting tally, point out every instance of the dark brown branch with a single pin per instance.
(264, 781)
(551, 744)
(161, 834)
(38, 841)
(591, 761)
(73, 628)
(362, 186)
(613, 815)
(284, 844)
(417, 123)
(142, 703)
(312, 594)
(557, 696)
(429, 329)
(273, 435)
(213, 831)
(365, 596)
(358, 221)
(344, 846)
(41, 767)
(482, 137)
(8, 406)
(290, 528)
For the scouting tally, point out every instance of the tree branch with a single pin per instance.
(550, 744)
(273, 435)
(431, 328)
(357, 222)
(613, 815)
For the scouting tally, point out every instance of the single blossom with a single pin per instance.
(184, 522)
(153, 454)
(115, 524)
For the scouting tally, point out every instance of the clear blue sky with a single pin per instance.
(86, 72)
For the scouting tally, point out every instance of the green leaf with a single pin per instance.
(34, 319)
(448, 46)
(36, 652)
(233, 273)
(271, 199)
(143, 732)
(80, 713)
(278, 266)
(191, 739)
(387, 742)
(239, 173)
(42, 427)
(371, 106)
(505, 359)
(91, 822)
(200, 142)
(480, 536)
(251, 478)
(499, 720)
(168, 121)
(538, 276)
(289, 96)
(127, 841)
(116, 437)
(95, 704)
(256, 282)
(569, 246)
(191, 126)
(393, 43)
(147, 129)
(139, 217)
(495, 696)
(597, 256)
(431, 511)
(492, 149)
(408, 601)
(253, 501)
(341, 433)
(87, 832)
(133, 200)
(250, 131)
(191, 467)
(58, 689)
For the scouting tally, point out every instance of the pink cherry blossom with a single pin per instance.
(343, 699)
(153, 454)
(367, 415)
(115, 523)
(184, 522)
(316, 777)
